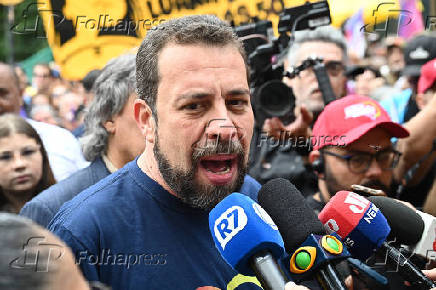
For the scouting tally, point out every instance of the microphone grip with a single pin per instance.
(324, 83)
(329, 279)
(407, 269)
(268, 271)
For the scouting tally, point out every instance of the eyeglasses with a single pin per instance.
(333, 68)
(360, 162)
(41, 76)
(27, 152)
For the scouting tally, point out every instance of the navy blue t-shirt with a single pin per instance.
(128, 232)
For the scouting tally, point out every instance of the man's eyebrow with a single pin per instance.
(237, 92)
(193, 96)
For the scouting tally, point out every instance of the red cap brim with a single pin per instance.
(394, 129)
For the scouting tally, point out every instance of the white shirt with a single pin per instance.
(62, 147)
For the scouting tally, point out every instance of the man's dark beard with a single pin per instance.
(183, 183)
(333, 185)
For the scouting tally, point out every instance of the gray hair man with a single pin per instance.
(272, 159)
(111, 138)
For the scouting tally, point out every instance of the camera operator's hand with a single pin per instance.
(300, 127)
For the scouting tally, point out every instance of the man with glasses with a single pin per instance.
(42, 78)
(289, 162)
(352, 145)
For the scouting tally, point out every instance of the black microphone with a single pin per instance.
(415, 230)
(298, 223)
(406, 225)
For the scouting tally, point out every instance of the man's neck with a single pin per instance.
(109, 165)
(148, 164)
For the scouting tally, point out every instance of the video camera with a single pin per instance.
(271, 97)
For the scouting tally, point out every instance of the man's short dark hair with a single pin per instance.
(193, 29)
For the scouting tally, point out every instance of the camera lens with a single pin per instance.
(276, 99)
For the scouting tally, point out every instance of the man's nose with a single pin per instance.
(374, 169)
(221, 126)
(219, 129)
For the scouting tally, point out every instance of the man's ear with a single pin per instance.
(317, 163)
(314, 155)
(109, 125)
(144, 119)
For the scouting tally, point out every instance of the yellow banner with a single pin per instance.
(10, 2)
(84, 35)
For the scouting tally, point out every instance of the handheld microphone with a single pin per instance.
(413, 228)
(365, 229)
(314, 252)
(358, 222)
(247, 238)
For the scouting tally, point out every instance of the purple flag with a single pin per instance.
(410, 20)
(354, 34)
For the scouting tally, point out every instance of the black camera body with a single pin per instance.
(270, 96)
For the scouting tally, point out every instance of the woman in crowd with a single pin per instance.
(24, 167)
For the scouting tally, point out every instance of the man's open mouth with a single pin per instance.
(219, 168)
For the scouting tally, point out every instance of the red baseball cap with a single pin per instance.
(345, 120)
(428, 76)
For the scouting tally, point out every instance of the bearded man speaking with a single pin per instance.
(146, 226)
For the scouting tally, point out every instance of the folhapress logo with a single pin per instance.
(232, 221)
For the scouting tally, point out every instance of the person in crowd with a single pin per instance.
(32, 258)
(42, 78)
(403, 106)
(365, 78)
(87, 83)
(40, 99)
(69, 104)
(24, 167)
(195, 115)
(62, 148)
(111, 138)
(427, 91)
(391, 71)
(343, 138)
(347, 136)
(352, 145)
(417, 51)
(45, 114)
(271, 161)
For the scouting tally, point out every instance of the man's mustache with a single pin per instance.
(214, 148)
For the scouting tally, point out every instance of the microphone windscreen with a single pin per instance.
(241, 228)
(406, 225)
(288, 209)
(359, 223)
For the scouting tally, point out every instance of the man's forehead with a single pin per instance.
(327, 50)
(374, 140)
(7, 79)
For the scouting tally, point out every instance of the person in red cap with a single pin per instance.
(349, 135)
(426, 84)
(352, 145)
